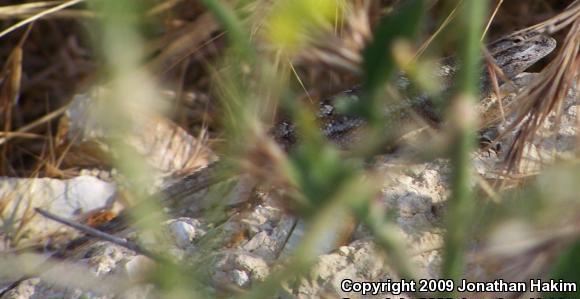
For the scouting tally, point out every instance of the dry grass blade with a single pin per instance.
(11, 11)
(522, 259)
(555, 23)
(545, 95)
(10, 83)
(499, 3)
(27, 10)
(162, 7)
(10, 78)
(176, 46)
(38, 16)
(341, 50)
(101, 235)
(443, 25)
(46, 118)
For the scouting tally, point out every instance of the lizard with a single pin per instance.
(513, 54)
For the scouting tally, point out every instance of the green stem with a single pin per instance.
(463, 121)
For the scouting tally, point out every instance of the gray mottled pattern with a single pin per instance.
(513, 54)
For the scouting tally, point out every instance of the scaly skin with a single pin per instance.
(513, 54)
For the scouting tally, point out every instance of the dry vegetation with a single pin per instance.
(227, 88)
(47, 61)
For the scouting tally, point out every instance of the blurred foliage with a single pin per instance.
(253, 75)
(565, 269)
(291, 23)
(379, 66)
(471, 23)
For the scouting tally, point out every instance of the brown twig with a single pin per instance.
(545, 95)
(101, 235)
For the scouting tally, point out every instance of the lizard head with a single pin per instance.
(517, 52)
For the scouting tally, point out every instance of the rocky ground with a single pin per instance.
(258, 239)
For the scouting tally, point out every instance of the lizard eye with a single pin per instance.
(518, 39)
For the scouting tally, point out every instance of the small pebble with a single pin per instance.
(240, 278)
(181, 232)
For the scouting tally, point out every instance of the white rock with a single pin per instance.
(240, 277)
(343, 250)
(65, 198)
(181, 232)
(256, 266)
(165, 146)
(257, 241)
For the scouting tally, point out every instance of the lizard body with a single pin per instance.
(512, 54)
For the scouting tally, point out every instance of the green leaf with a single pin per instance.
(317, 166)
(566, 269)
(378, 61)
(238, 38)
